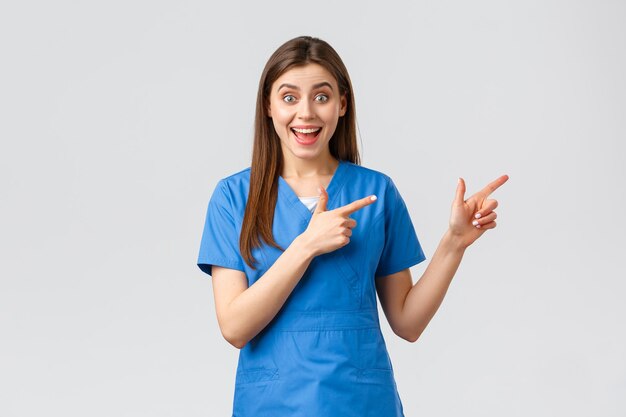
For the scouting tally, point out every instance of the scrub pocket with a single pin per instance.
(253, 376)
(376, 376)
(374, 362)
(255, 392)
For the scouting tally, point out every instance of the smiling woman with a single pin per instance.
(296, 288)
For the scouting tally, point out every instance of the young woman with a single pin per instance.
(299, 244)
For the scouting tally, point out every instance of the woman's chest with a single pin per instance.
(342, 279)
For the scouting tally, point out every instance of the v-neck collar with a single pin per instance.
(333, 189)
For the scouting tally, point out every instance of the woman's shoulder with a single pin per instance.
(232, 189)
(368, 173)
(375, 181)
(236, 180)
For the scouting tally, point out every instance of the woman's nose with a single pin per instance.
(305, 111)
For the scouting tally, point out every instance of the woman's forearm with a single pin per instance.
(425, 297)
(254, 308)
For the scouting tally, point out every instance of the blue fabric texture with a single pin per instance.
(323, 354)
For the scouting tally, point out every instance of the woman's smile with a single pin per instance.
(306, 135)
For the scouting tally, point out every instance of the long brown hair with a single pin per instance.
(267, 158)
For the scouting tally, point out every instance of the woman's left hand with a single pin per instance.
(464, 226)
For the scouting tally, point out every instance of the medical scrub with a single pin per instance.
(323, 354)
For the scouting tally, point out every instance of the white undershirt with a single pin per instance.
(310, 202)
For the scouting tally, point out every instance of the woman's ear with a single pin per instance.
(344, 105)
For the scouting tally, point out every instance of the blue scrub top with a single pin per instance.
(323, 354)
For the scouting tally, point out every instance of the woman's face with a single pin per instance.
(305, 106)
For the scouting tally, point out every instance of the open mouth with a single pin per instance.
(306, 135)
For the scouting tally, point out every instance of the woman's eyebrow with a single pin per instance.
(294, 87)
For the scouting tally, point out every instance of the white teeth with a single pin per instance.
(306, 130)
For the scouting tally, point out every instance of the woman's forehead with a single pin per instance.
(305, 77)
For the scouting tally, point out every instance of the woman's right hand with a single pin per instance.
(330, 230)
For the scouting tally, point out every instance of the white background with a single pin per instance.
(118, 118)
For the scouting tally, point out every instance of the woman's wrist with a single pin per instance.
(304, 246)
(453, 242)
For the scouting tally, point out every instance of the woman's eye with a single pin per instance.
(322, 97)
(289, 98)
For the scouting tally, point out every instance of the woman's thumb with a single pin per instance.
(321, 205)
(460, 192)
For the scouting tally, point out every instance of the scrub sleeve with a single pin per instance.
(220, 238)
(401, 248)
(323, 354)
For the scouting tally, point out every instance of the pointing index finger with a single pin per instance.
(493, 185)
(356, 205)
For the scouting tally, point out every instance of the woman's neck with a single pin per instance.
(305, 168)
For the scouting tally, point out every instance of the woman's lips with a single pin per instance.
(306, 138)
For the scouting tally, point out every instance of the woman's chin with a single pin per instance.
(307, 154)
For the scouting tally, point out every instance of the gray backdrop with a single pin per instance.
(118, 118)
